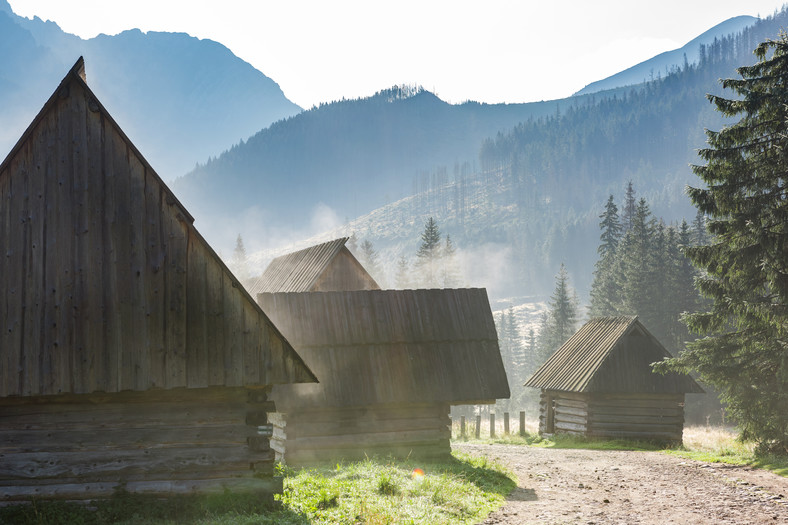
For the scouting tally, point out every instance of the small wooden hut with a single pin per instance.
(130, 357)
(391, 363)
(325, 267)
(600, 383)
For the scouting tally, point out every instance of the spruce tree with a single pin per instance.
(611, 229)
(516, 349)
(630, 205)
(639, 282)
(700, 235)
(745, 197)
(605, 291)
(562, 316)
(429, 254)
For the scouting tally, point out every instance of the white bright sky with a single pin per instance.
(485, 50)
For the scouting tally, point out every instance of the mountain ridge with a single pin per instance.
(180, 98)
(664, 62)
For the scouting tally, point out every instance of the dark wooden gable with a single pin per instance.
(612, 355)
(321, 268)
(106, 284)
(391, 347)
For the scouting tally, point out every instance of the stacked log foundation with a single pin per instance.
(158, 442)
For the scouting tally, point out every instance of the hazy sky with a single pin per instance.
(485, 50)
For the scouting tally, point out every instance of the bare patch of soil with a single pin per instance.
(569, 486)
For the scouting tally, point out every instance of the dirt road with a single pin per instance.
(560, 486)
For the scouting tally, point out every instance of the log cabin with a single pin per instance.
(391, 363)
(329, 266)
(130, 357)
(600, 384)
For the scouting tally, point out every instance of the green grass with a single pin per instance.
(462, 490)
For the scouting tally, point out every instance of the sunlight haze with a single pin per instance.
(505, 51)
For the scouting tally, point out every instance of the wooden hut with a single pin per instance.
(325, 267)
(130, 357)
(600, 383)
(391, 362)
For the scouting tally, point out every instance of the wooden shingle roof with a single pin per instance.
(391, 346)
(610, 354)
(106, 284)
(300, 271)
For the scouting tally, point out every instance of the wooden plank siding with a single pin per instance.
(88, 446)
(344, 272)
(107, 286)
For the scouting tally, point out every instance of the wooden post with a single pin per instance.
(492, 424)
(478, 426)
(462, 426)
(506, 423)
(522, 422)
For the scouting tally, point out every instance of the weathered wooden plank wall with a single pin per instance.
(106, 285)
(630, 416)
(653, 417)
(330, 434)
(87, 446)
(344, 273)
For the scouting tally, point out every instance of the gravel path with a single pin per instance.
(562, 486)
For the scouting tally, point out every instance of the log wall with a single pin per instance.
(162, 442)
(312, 436)
(629, 416)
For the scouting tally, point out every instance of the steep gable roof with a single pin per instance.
(610, 354)
(107, 285)
(301, 271)
(391, 346)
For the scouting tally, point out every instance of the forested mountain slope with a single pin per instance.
(352, 155)
(666, 62)
(553, 162)
(180, 99)
(533, 199)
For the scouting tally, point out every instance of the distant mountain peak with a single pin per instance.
(196, 99)
(664, 62)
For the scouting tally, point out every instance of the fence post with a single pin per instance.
(492, 424)
(478, 426)
(506, 423)
(522, 422)
(462, 426)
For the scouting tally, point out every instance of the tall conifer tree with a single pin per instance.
(605, 291)
(630, 206)
(429, 254)
(745, 352)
